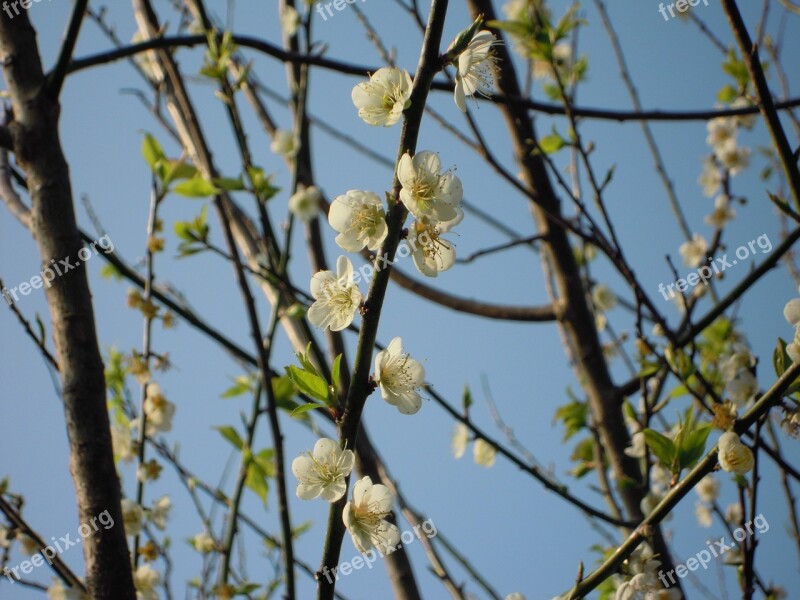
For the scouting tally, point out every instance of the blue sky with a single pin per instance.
(521, 537)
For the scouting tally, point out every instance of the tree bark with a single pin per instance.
(36, 143)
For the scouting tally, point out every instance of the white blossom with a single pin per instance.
(705, 517)
(365, 517)
(158, 409)
(204, 542)
(707, 488)
(475, 72)
(399, 377)
(733, 455)
(290, 19)
(285, 143)
(160, 512)
(382, 100)
(131, 517)
(694, 251)
(360, 219)
(432, 254)
(460, 439)
(722, 212)
(57, 591)
(427, 192)
(304, 203)
(733, 157)
(323, 472)
(484, 453)
(710, 178)
(146, 580)
(337, 297)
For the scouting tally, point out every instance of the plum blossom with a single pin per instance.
(427, 192)
(382, 100)
(324, 471)
(360, 219)
(304, 203)
(733, 455)
(365, 517)
(336, 296)
(475, 69)
(399, 377)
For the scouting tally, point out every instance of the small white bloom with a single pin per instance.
(515, 596)
(705, 517)
(732, 157)
(158, 409)
(742, 388)
(360, 219)
(204, 542)
(337, 297)
(285, 143)
(131, 517)
(475, 74)
(746, 121)
(427, 192)
(122, 442)
(160, 512)
(792, 311)
(710, 178)
(741, 359)
(720, 130)
(365, 517)
(5, 539)
(28, 545)
(57, 591)
(733, 455)
(733, 513)
(304, 203)
(660, 479)
(459, 441)
(431, 253)
(649, 503)
(484, 453)
(399, 377)
(707, 488)
(603, 298)
(722, 212)
(382, 100)
(323, 472)
(694, 251)
(638, 447)
(290, 19)
(146, 581)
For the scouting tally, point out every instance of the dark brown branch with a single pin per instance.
(361, 70)
(38, 152)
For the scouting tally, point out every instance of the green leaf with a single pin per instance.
(283, 388)
(337, 366)
(574, 415)
(551, 144)
(466, 398)
(304, 408)
(241, 385)
(661, 446)
(109, 271)
(230, 434)
(177, 169)
(692, 446)
(309, 383)
(266, 461)
(780, 358)
(727, 94)
(152, 151)
(197, 187)
(256, 480)
(229, 184)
